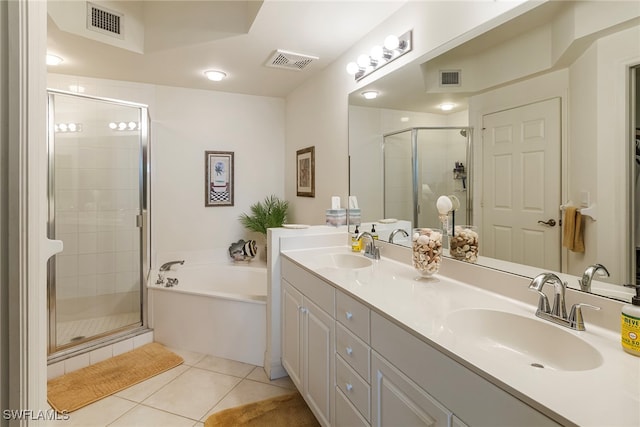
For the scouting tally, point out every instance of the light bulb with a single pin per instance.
(113, 126)
(63, 127)
(352, 68)
(377, 52)
(122, 126)
(132, 125)
(391, 42)
(215, 75)
(364, 61)
(72, 127)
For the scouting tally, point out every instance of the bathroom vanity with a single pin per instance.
(371, 343)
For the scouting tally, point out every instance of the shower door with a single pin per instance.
(422, 164)
(97, 154)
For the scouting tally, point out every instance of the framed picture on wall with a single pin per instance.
(306, 172)
(218, 178)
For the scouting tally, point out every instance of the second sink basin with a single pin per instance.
(522, 340)
(345, 261)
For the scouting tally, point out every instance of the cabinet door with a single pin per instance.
(292, 333)
(398, 401)
(318, 353)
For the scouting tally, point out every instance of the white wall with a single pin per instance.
(184, 124)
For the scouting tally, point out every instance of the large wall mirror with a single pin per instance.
(548, 105)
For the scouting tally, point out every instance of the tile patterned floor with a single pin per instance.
(183, 396)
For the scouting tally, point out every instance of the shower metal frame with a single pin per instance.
(143, 221)
(414, 167)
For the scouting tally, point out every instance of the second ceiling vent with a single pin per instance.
(104, 21)
(290, 60)
(450, 78)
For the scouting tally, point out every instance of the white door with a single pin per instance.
(521, 185)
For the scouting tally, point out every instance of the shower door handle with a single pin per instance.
(52, 247)
(139, 221)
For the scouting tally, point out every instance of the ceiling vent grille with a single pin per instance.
(449, 78)
(290, 60)
(104, 21)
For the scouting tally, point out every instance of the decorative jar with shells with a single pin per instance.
(464, 243)
(427, 250)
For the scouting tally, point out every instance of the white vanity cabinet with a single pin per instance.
(355, 367)
(308, 337)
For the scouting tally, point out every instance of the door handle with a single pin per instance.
(551, 222)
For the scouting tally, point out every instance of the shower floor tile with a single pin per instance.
(80, 329)
(183, 396)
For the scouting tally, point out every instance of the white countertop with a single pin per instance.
(608, 395)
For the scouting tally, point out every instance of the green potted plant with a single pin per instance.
(270, 213)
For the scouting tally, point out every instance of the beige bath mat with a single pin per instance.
(281, 411)
(79, 388)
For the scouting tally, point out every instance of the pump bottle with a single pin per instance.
(630, 324)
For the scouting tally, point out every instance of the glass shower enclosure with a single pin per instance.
(97, 201)
(422, 164)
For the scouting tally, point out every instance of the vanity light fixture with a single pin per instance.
(53, 59)
(68, 127)
(215, 75)
(447, 106)
(122, 126)
(393, 48)
(370, 94)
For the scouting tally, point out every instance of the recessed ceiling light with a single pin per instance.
(370, 94)
(215, 75)
(53, 59)
(447, 106)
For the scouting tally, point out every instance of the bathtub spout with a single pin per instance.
(167, 265)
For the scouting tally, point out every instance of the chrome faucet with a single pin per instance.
(370, 251)
(167, 265)
(558, 313)
(396, 231)
(587, 276)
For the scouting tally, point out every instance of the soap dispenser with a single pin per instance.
(356, 244)
(630, 324)
(374, 234)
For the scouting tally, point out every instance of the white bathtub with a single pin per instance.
(216, 309)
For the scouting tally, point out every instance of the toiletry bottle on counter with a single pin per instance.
(356, 245)
(374, 234)
(630, 324)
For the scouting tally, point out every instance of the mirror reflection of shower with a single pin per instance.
(422, 164)
(97, 207)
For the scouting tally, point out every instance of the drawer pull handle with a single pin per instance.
(349, 351)
(349, 387)
(348, 315)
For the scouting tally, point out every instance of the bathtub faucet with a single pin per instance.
(167, 265)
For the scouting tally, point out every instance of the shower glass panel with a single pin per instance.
(398, 178)
(96, 203)
(422, 164)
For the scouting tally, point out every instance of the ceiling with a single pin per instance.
(173, 42)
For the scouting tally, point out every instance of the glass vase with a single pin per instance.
(464, 243)
(427, 250)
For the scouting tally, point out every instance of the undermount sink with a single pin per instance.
(522, 340)
(345, 261)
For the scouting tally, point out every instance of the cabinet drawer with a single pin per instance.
(318, 291)
(346, 414)
(353, 386)
(354, 351)
(353, 314)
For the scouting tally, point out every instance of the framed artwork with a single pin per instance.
(306, 172)
(218, 178)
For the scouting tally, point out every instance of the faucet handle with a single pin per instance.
(576, 321)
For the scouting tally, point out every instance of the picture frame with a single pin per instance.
(218, 178)
(306, 172)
